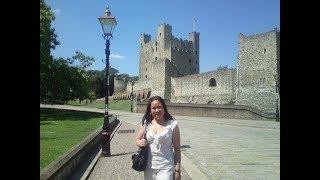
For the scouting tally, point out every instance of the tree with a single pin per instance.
(48, 41)
(85, 61)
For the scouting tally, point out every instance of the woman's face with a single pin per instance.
(157, 110)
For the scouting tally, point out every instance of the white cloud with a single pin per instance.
(57, 12)
(116, 56)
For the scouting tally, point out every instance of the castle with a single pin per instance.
(169, 67)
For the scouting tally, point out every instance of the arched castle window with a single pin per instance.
(146, 76)
(264, 51)
(156, 58)
(156, 48)
(156, 43)
(160, 34)
(146, 69)
(212, 82)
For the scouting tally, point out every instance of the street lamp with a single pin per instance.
(108, 24)
(131, 95)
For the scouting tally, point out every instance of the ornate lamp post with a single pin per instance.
(131, 95)
(108, 24)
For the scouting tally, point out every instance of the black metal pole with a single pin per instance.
(131, 96)
(105, 129)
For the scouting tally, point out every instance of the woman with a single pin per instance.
(162, 133)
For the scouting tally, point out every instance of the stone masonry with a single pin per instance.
(169, 67)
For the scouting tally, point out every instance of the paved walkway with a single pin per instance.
(212, 148)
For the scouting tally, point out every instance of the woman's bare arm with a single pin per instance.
(176, 146)
(140, 141)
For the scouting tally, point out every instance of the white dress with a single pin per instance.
(161, 155)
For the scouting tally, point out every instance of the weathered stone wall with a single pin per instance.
(166, 57)
(194, 37)
(183, 62)
(257, 68)
(120, 85)
(140, 85)
(146, 58)
(211, 110)
(197, 89)
(158, 85)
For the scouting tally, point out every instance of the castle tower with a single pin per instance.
(167, 57)
(145, 54)
(164, 38)
(194, 37)
(257, 70)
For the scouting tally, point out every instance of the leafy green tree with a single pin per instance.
(48, 41)
(84, 61)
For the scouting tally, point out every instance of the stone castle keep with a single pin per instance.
(169, 67)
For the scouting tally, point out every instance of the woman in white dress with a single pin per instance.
(163, 141)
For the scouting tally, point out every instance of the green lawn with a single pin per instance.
(122, 105)
(60, 130)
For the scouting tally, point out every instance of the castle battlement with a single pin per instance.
(258, 35)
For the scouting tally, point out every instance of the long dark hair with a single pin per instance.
(148, 116)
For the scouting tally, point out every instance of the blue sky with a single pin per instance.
(218, 21)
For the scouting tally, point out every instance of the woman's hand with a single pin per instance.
(177, 176)
(143, 142)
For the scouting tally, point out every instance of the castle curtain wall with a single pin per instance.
(197, 89)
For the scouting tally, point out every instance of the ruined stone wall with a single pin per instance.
(140, 85)
(257, 68)
(197, 88)
(158, 83)
(120, 85)
(183, 62)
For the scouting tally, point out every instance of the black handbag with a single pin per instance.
(139, 159)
